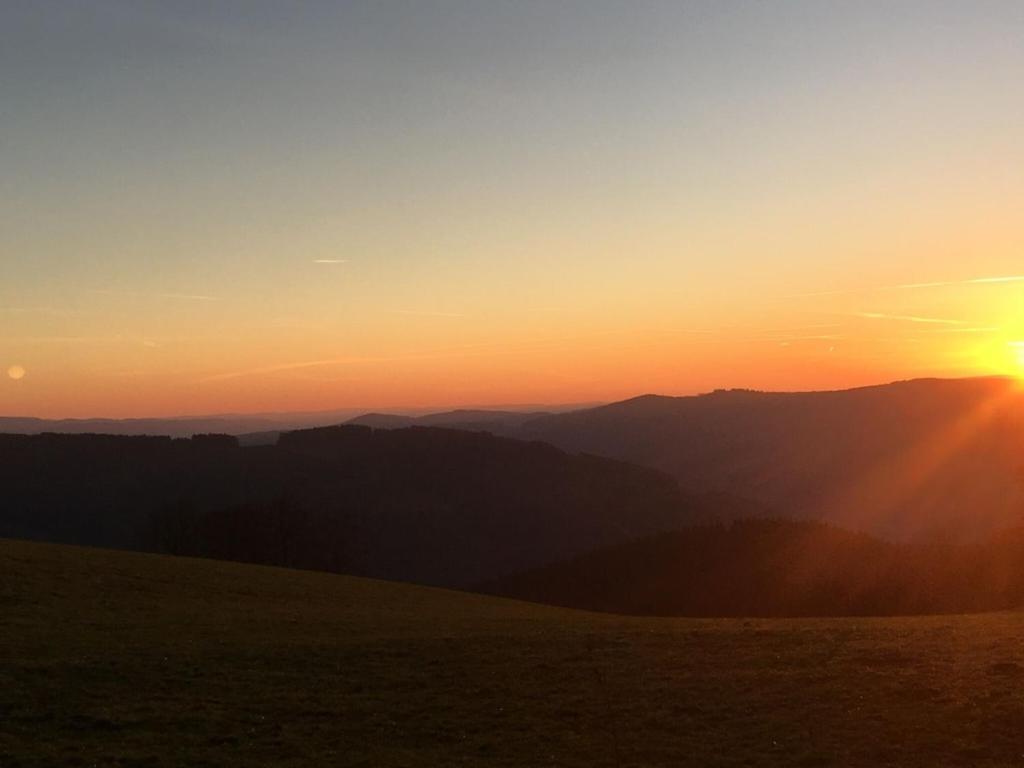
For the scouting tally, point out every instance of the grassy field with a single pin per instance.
(111, 658)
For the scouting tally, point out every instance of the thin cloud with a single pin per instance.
(820, 337)
(41, 311)
(459, 351)
(329, 362)
(791, 329)
(330, 261)
(159, 294)
(813, 294)
(1008, 279)
(144, 341)
(426, 313)
(784, 340)
(672, 331)
(352, 360)
(187, 296)
(66, 340)
(910, 318)
(284, 368)
(974, 329)
(946, 283)
(1002, 279)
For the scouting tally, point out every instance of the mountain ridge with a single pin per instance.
(909, 459)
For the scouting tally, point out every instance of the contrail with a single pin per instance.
(910, 318)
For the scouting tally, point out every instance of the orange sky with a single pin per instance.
(243, 209)
(802, 342)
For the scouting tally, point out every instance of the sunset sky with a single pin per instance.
(281, 206)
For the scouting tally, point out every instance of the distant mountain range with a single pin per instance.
(265, 428)
(654, 505)
(909, 460)
(624, 507)
(472, 420)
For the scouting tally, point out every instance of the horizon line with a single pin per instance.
(421, 410)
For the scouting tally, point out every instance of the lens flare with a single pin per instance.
(16, 372)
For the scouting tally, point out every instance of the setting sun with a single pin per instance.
(1017, 351)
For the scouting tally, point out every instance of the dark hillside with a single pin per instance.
(780, 568)
(427, 505)
(124, 659)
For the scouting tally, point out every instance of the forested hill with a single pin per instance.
(426, 505)
(781, 568)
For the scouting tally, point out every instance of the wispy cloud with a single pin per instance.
(157, 294)
(149, 342)
(910, 318)
(465, 350)
(792, 328)
(813, 294)
(187, 296)
(334, 361)
(946, 283)
(56, 311)
(292, 322)
(330, 261)
(910, 286)
(971, 329)
(65, 340)
(285, 367)
(426, 313)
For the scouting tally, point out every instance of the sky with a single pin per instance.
(264, 206)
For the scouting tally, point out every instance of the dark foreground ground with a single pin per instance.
(110, 658)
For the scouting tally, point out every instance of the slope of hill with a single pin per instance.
(780, 568)
(474, 420)
(904, 460)
(471, 420)
(426, 505)
(115, 658)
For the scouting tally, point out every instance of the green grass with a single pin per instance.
(113, 658)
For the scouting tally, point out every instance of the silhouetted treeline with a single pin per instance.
(425, 505)
(780, 568)
(278, 532)
(103, 490)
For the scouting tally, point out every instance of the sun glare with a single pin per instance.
(1017, 354)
